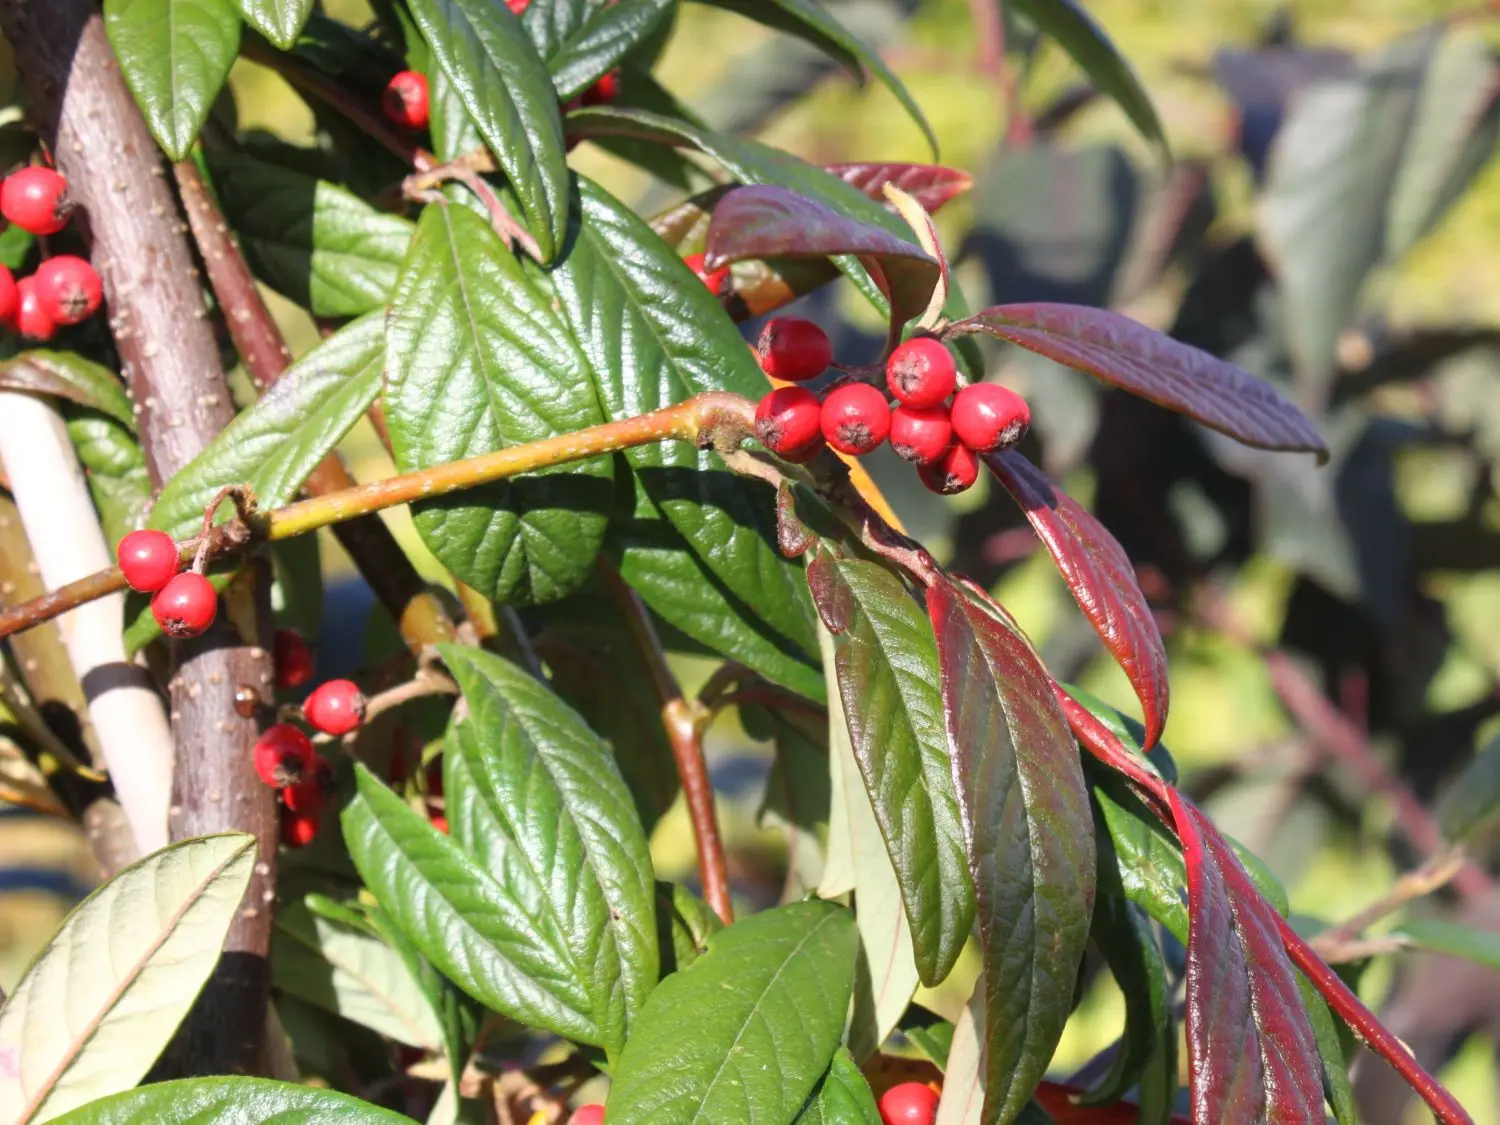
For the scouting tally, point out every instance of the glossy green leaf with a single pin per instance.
(280, 21)
(610, 33)
(842, 1097)
(536, 797)
(314, 242)
(105, 996)
(765, 1007)
(175, 56)
(551, 23)
(232, 1101)
(1337, 1088)
(684, 923)
(888, 677)
(68, 375)
(279, 440)
(504, 84)
(477, 360)
(464, 920)
(116, 471)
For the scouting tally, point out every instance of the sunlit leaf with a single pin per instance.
(280, 21)
(842, 1096)
(611, 32)
(932, 185)
(232, 1101)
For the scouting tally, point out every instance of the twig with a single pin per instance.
(426, 682)
(422, 186)
(1434, 874)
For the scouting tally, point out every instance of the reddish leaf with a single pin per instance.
(1030, 837)
(1254, 1057)
(1098, 572)
(932, 184)
(1156, 367)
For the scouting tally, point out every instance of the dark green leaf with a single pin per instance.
(684, 924)
(1336, 1086)
(231, 1101)
(551, 23)
(274, 444)
(1471, 806)
(116, 469)
(842, 1097)
(535, 795)
(280, 21)
(175, 55)
(70, 376)
(1452, 939)
(477, 360)
(610, 34)
(504, 85)
(934, 1041)
(743, 1033)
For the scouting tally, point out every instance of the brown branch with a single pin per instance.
(79, 101)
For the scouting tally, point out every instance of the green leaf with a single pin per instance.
(654, 335)
(175, 55)
(888, 677)
(1336, 1085)
(536, 797)
(462, 919)
(743, 1033)
(457, 1015)
(280, 21)
(1129, 731)
(99, 1003)
(842, 1097)
(116, 470)
(274, 445)
(610, 33)
(504, 84)
(70, 376)
(684, 924)
(232, 1101)
(316, 243)
(1073, 29)
(1452, 939)
(1471, 805)
(477, 360)
(551, 23)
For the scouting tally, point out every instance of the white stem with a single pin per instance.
(66, 539)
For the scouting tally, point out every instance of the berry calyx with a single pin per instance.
(855, 418)
(298, 829)
(714, 279)
(148, 559)
(293, 657)
(921, 372)
(952, 473)
(910, 1103)
(921, 434)
(587, 1115)
(405, 101)
(33, 199)
(788, 423)
(32, 320)
(10, 300)
(186, 605)
(283, 756)
(794, 349)
(335, 707)
(988, 416)
(68, 288)
(310, 794)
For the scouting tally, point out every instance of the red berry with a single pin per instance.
(69, 289)
(298, 829)
(951, 473)
(921, 434)
(438, 821)
(310, 794)
(335, 707)
(587, 1115)
(794, 349)
(714, 279)
(920, 372)
(32, 320)
(602, 92)
(855, 418)
(148, 559)
(405, 100)
(10, 300)
(293, 657)
(186, 605)
(988, 416)
(33, 199)
(517, 6)
(911, 1103)
(282, 756)
(787, 421)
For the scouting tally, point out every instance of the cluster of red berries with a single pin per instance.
(64, 289)
(183, 602)
(285, 758)
(942, 438)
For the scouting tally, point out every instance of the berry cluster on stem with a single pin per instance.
(65, 289)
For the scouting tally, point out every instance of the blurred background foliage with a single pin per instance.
(1350, 145)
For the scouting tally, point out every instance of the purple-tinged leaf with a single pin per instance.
(1030, 836)
(932, 185)
(1156, 367)
(1254, 1056)
(1097, 570)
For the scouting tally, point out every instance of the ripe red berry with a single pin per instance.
(186, 605)
(794, 349)
(910, 1103)
(920, 372)
(32, 320)
(148, 559)
(714, 279)
(69, 289)
(953, 472)
(604, 91)
(310, 794)
(587, 1115)
(10, 300)
(988, 416)
(283, 755)
(438, 821)
(298, 829)
(33, 199)
(335, 707)
(405, 100)
(517, 7)
(293, 657)
(921, 434)
(787, 421)
(855, 418)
